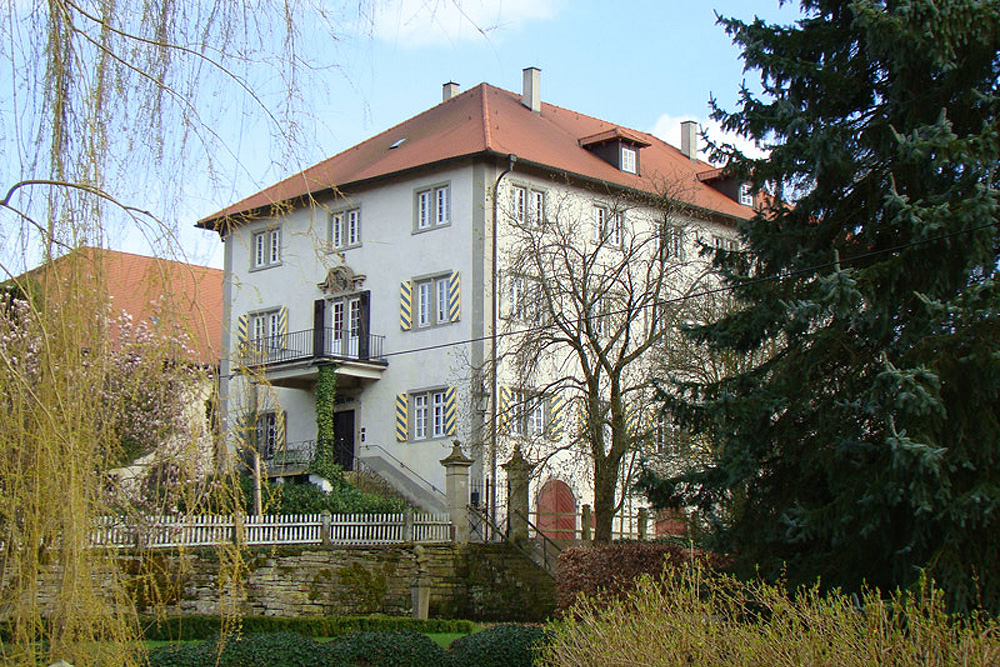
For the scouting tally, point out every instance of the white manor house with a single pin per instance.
(398, 264)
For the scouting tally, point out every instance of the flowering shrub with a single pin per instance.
(148, 401)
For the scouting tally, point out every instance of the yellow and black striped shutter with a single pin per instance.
(556, 405)
(633, 418)
(450, 413)
(406, 305)
(242, 340)
(283, 327)
(503, 409)
(402, 417)
(454, 296)
(243, 329)
(280, 428)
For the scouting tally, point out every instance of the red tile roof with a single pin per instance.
(153, 289)
(489, 120)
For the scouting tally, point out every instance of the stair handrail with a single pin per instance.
(545, 540)
(407, 468)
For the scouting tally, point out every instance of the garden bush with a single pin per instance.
(284, 649)
(610, 570)
(499, 646)
(385, 649)
(693, 617)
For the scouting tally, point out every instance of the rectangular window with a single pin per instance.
(608, 226)
(265, 330)
(441, 298)
(270, 433)
(746, 194)
(433, 302)
(424, 200)
(433, 207)
(345, 229)
(527, 413)
(520, 204)
(535, 416)
(267, 248)
(527, 300)
(628, 159)
(438, 401)
(421, 416)
(425, 302)
(430, 414)
(673, 242)
(537, 206)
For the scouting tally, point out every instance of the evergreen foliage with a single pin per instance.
(504, 645)
(305, 498)
(326, 393)
(865, 447)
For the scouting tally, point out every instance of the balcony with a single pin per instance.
(291, 359)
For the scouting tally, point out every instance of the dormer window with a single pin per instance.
(618, 147)
(628, 159)
(746, 194)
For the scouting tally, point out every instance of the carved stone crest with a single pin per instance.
(341, 280)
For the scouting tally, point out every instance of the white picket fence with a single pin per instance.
(207, 530)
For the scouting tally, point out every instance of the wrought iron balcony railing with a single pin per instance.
(330, 343)
(278, 458)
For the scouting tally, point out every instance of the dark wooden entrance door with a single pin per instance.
(343, 439)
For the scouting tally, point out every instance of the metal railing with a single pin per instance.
(300, 345)
(292, 455)
(549, 550)
(410, 472)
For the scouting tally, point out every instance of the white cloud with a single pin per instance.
(415, 23)
(668, 128)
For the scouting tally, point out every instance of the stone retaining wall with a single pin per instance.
(476, 581)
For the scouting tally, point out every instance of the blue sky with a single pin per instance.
(646, 65)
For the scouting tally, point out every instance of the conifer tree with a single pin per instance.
(866, 447)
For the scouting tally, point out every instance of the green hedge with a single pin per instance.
(209, 627)
(499, 646)
(386, 649)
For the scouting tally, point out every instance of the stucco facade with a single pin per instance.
(397, 270)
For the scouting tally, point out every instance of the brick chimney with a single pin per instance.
(531, 95)
(689, 139)
(448, 91)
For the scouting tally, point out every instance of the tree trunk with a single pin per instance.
(605, 483)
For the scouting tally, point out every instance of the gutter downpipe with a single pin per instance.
(495, 307)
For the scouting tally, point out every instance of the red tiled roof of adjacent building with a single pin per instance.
(489, 120)
(153, 289)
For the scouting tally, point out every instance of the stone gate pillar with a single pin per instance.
(456, 485)
(518, 471)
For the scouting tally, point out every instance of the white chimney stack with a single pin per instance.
(531, 95)
(448, 91)
(689, 139)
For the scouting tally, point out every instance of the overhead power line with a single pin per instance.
(837, 263)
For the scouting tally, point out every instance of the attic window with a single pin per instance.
(628, 159)
(397, 143)
(746, 194)
(618, 147)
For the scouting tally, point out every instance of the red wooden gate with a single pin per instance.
(556, 511)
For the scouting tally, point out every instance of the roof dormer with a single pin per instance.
(618, 147)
